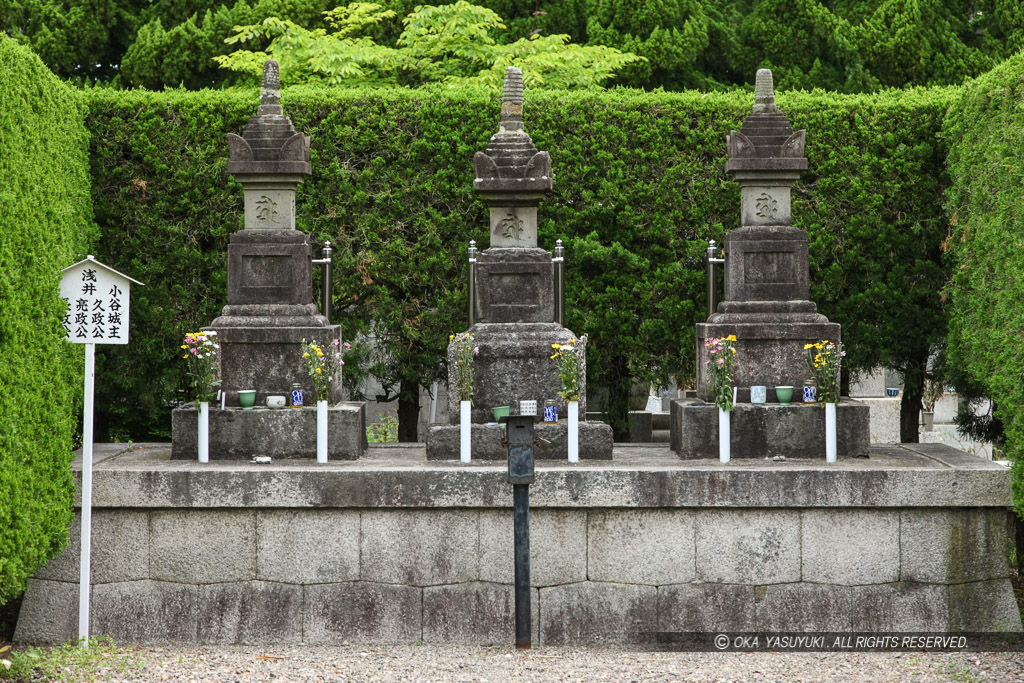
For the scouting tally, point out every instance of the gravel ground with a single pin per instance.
(548, 664)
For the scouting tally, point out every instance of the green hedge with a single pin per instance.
(44, 226)
(986, 209)
(639, 188)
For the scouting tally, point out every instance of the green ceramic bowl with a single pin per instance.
(500, 412)
(784, 395)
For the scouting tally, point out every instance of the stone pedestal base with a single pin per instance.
(237, 434)
(767, 431)
(595, 441)
(514, 364)
(267, 358)
(769, 352)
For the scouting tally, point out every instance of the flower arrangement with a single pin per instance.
(464, 353)
(719, 352)
(569, 358)
(323, 366)
(824, 360)
(201, 365)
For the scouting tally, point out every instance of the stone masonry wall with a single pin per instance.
(444, 574)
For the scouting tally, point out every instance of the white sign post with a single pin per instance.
(97, 299)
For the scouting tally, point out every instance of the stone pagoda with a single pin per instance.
(766, 305)
(270, 308)
(514, 312)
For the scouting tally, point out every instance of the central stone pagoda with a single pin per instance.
(767, 306)
(514, 314)
(270, 308)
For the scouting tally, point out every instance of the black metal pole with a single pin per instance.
(521, 522)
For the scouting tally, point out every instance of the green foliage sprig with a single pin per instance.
(201, 350)
(465, 351)
(324, 365)
(719, 353)
(824, 360)
(449, 44)
(569, 360)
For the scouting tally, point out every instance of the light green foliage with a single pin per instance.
(172, 50)
(985, 130)
(449, 44)
(45, 225)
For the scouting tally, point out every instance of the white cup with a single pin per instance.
(275, 401)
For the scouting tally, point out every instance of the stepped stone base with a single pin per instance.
(398, 549)
(595, 441)
(769, 430)
(237, 434)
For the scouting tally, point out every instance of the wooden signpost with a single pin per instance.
(97, 299)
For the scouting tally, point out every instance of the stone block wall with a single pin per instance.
(600, 574)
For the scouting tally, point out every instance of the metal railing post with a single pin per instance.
(559, 261)
(712, 277)
(472, 282)
(327, 284)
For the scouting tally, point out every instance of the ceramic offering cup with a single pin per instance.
(527, 407)
(500, 412)
(275, 401)
(758, 394)
(247, 398)
(784, 395)
(892, 392)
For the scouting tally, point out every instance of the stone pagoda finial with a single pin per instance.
(511, 167)
(764, 92)
(270, 91)
(269, 144)
(512, 102)
(766, 141)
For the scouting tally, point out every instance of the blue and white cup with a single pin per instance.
(551, 414)
(297, 398)
(810, 393)
(758, 394)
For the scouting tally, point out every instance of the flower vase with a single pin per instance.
(574, 431)
(465, 430)
(724, 435)
(204, 431)
(321, 432)
(830, 432)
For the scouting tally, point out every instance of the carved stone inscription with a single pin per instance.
(769, 267)
(269, 209)
(514, 226)
(765, 205)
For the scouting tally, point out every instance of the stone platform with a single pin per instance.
(395, 548)
(768, 430)
(237, 434)
(595, 441)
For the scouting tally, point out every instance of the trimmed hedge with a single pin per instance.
(986, 208)
(44, 226)
(639, 188)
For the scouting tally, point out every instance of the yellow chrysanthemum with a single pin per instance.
(305, 355)
(319, 353)
(319, 371)
(556, 346)
(731, 337)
